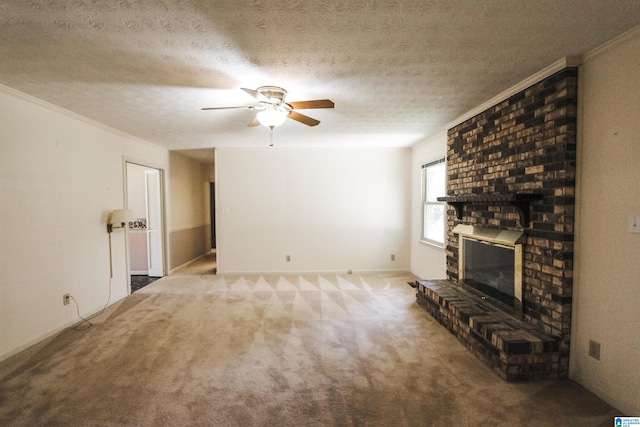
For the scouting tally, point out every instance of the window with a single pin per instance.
(434, 213)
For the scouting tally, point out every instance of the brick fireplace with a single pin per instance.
(512, 168)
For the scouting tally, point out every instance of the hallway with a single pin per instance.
(206, 264)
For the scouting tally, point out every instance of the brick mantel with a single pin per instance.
(520, 201)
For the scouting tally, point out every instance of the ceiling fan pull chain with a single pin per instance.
(271, 137)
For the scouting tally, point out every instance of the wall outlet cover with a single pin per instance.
(634, 223)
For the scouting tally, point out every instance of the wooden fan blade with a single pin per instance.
(250, 107)
(303, 119)
(254, 123)
(318, 103)
(257, 95)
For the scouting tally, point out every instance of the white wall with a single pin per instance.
(427, 261)
(60, 176)
(329, 209)
(607, 257)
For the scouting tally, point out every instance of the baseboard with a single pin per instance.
(300, 272)
(624, 407)
(173, 270)
(139, 273)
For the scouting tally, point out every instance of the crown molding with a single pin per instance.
(634, 32)
(566, 62)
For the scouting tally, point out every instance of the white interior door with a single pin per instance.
(154, 223)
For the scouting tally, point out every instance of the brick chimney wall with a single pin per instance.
(525, 144)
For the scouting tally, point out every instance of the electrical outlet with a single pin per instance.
(594, 349)
(66, 298)
(634, 223)
(393, 257)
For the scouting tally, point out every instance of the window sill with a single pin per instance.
(432, 244)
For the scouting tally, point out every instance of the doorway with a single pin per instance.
(146, 234)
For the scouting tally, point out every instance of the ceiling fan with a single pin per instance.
(274, 110)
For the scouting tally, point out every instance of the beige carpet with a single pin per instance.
(274, 351)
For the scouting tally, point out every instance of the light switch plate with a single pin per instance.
(634, 223)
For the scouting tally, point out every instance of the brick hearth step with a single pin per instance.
(513, 348)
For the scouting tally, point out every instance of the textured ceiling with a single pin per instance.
(397, 70)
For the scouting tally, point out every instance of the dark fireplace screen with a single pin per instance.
(489, 268)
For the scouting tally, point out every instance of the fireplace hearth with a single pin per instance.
(513, 349)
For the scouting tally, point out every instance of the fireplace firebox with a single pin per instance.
(491, 265)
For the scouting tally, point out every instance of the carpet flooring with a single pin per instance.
(274, 350)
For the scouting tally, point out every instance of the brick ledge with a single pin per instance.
(514, 349)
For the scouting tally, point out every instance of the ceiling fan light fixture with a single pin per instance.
(274, 109)
(272, 117)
